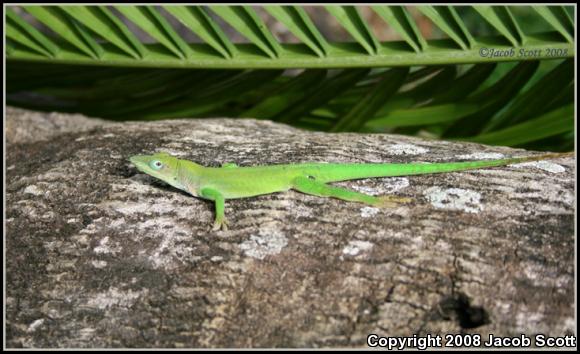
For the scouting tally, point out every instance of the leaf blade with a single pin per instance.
(558, 18)
(22, 32)
(349, 18)
(149, 20)
(375, 98)
(423, 115)
(321, 94)
(502, 19)
(286, 96)
(402, 22)
(248, 24)
(446, 18)
(558, 121)
(198, 21)
(101, 21)
(298, 22)
(67, 28)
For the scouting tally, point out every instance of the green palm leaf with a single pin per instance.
(298, 22)
(497, 87)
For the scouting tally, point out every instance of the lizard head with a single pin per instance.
(161, 165)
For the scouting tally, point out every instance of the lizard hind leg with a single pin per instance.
(311, 186)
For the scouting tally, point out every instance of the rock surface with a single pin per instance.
(99, 255)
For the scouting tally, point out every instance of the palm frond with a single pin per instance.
(99, 35)
(134, 62)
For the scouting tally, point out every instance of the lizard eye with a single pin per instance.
(156, 164)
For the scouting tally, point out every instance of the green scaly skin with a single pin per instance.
(232, 182)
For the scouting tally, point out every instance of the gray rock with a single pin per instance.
(24, 126)
(99, 255)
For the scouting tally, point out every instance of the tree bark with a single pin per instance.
(102, 256)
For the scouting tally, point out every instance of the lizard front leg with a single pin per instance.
(219, 200)
(309, 185)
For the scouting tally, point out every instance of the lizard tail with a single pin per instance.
(389, 201)
(334, 173)
(471, 165)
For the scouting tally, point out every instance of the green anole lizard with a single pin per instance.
(231, 181)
